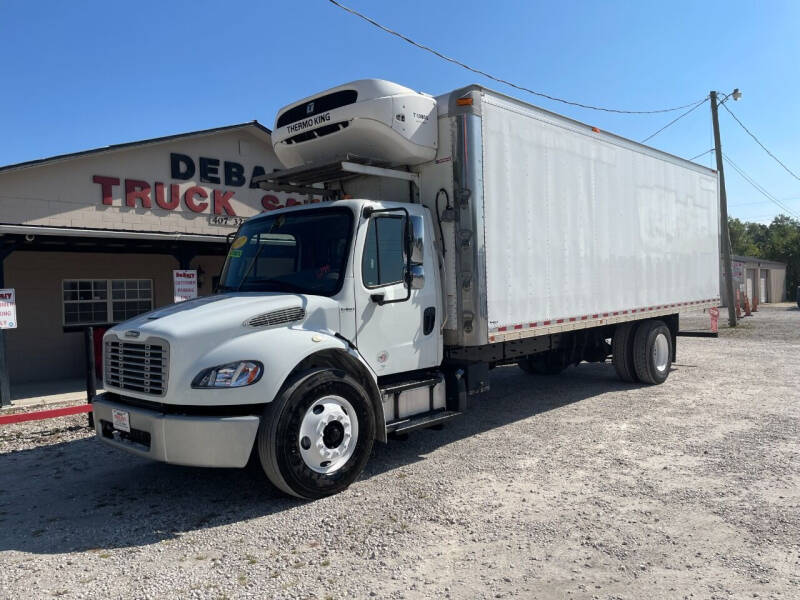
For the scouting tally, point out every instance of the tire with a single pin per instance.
(652, 352)
(317, 435)
(622, 351)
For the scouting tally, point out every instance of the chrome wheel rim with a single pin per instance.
(661, 352)
(328, 434)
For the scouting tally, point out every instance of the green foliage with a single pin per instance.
(780, 241)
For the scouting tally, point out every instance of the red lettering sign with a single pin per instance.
(174, 199)
(221, 202)
(137, 190)
(106, 183)
(270, 202)
(189, 199)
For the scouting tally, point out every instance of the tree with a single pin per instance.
(783, 244)
(741, 239)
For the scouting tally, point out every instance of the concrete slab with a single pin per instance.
(44, 393)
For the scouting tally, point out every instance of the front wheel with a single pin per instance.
(316, 437)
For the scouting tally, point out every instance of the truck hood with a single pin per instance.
(227, 313)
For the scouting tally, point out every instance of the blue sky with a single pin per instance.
(81, 75)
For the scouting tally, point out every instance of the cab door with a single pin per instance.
(398, 301)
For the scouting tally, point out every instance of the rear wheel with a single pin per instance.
(652, 352)
(622, 351)
(316, 437)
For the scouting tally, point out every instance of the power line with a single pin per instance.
(752, 135)
(760, 189)
(675, 120)
(498, 79)
(760, 202)
(701, 154)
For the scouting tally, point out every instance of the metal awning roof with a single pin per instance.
(111, 233)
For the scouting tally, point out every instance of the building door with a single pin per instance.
(762, 287)
(751, 275)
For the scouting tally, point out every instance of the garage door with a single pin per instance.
(762, 287)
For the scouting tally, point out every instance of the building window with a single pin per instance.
(100, 301)
(130, 297)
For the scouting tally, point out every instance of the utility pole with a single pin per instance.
(723, 215)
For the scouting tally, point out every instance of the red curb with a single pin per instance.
(45, 414)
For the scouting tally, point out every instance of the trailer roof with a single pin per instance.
(444, 101)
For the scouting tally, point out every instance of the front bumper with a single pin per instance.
(197, 441)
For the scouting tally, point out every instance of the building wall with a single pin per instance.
(776, 280)
(40, 348)
(777, 284)
(66, 193)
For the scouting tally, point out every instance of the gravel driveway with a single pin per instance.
(574, 486)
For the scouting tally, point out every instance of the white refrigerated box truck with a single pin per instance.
(441, 237)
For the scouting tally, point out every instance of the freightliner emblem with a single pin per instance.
(132, 333)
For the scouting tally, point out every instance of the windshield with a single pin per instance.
(303, 252)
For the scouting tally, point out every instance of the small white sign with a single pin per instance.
(121, 419)
(184, 284)
(8, 309)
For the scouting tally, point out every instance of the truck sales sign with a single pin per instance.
(8, 309)
(199, 184)
(185, 284)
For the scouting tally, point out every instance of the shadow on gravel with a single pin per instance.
(81, 495)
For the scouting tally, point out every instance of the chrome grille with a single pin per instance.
(136, 366)
(276, 317)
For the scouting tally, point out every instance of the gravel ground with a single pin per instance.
(576, 486)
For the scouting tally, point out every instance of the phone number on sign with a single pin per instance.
(226, 221)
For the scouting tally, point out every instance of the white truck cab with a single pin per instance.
(488, 232)
(322, 297)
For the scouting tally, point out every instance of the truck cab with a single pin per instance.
(318, 307)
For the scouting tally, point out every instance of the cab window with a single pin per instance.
(384, 260)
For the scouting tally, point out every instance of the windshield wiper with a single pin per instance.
(250, 267)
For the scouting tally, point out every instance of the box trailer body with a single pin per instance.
(441, 237)
(565, 226)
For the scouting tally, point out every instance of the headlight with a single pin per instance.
(235, 374)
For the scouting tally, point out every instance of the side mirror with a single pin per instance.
(416, 277)
(416, 239)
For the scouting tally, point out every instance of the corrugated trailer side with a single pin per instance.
(582, 228)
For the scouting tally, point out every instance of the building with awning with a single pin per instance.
(92, 238)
